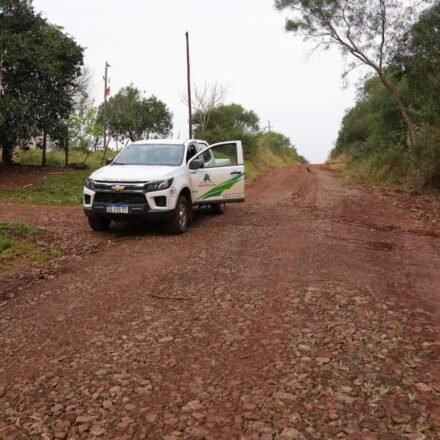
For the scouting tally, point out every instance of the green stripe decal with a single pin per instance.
(219, 189)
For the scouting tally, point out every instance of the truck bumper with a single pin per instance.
(134, 212)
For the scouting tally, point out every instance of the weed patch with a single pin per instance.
(18, 246)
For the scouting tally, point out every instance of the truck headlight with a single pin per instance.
(159, 185)
(90, 184)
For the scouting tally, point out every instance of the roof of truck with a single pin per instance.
(165, 141)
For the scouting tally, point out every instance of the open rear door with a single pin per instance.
(221, 178)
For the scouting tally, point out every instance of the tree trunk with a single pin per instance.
(7, 154)
(43, 160)
(66, 149)
(393, 92)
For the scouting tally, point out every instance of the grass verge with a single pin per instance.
(19, 245)
(62, 189)
(265, 159)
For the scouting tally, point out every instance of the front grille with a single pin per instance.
(121, 198)
(128, 186)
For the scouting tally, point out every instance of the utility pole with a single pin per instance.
(104, 112)
(188, 71)
(269, 127)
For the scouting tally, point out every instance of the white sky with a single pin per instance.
(241, 43)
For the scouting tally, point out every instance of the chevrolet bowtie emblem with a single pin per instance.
(118, 188)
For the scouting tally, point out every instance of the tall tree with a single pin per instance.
(205, 99)
(17, 20)
(227, 122)
(40, 66)
(416, 60)
(365, 30)
(230, 121)
(131, 116)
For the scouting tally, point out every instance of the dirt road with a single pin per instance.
(309, 312)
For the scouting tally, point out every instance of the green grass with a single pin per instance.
(265, 159)
(5, 243)
(63, 189)
(56, 158)
(17, 243)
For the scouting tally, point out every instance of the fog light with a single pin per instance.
(161, 201)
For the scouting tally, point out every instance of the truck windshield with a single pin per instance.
(150, 154)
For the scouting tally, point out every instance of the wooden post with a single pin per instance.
(188, 71)
(43, 160)
(104, 112)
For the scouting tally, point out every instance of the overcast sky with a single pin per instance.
(240, 43)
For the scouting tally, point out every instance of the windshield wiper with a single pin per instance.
(117, 163)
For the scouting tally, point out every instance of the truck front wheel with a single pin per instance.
(99, 223)
(179, 222)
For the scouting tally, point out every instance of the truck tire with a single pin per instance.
(179, 222)
(218, 208)
(99, 223)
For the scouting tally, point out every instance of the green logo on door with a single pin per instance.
(207, 179)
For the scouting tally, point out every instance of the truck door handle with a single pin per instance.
(235, 172)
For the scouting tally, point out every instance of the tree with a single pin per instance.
(131, 116)
(17, 20)
(416, 60)
(366, 30)
(40, 65)
(59, 66)
(85, 129)
(205, 98)
(230, 122)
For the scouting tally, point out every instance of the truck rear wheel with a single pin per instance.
(218, 208)
(99, 223)
(179, 223)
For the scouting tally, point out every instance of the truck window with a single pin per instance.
(222, 156)
(191, 152)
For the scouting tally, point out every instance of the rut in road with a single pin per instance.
(309, 312)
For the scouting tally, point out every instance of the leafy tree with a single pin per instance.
(416, 60)
(84, 128)
(365, 30)
(206, 98)
(131, 116)
(229, 122)
(17, 21)
(40, 65)
(373, 123)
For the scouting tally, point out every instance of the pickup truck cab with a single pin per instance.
(164, 180)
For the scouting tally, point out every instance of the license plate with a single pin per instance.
(117, 209)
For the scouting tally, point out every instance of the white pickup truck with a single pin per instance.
(164, 179)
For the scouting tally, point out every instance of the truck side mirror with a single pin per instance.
(196, 164)
(109, 160)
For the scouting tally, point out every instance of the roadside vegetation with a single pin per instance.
(19, 245)
(62, 127)
(265, 151)
(373, 140)
(392, 134)
(58, 189)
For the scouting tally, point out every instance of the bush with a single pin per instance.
(5, 243)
